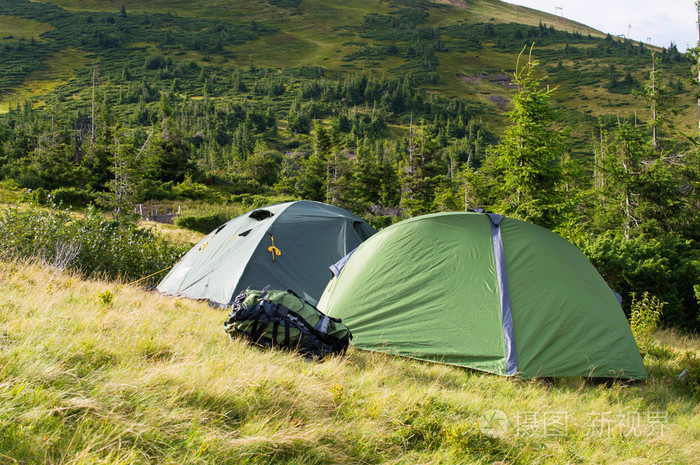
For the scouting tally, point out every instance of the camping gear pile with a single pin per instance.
(475, 290)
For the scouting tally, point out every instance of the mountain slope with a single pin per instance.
(448, 44)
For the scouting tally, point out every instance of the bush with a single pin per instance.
(68, 196)
(156, 62)
(252, 201)
(202, 223)
(90, 245)
(150, 189)
(72, 196)
(645, 315)
(40, 196)
(188, 189)
(663, 267)
(380, 221)
(285, 3)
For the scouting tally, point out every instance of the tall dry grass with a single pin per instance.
(96, 372)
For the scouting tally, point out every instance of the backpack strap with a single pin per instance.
(257, 330)
(275, 329)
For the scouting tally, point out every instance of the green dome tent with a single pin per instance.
(287, 246)
(485, 292)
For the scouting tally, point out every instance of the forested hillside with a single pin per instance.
(388, 108)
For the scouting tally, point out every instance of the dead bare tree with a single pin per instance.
(697, 6)
(95, 72)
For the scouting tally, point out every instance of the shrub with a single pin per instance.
(90, 245)
(150, 189)
(156, 62)
(380, 221)
(188, 189)
(106, 298)
(285, 3)
(72, 196)
(251, 201)
(645, 315)
(663, 267)
(202, 223)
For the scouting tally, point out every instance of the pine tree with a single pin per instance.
(369, 174)
(263, 165)
(314, 173)
(417, 173)
(447, 198)
(527, 158)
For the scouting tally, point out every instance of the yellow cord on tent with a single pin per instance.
(273, 249)
(152, 274)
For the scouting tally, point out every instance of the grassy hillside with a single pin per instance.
(96, 372)
(465, 39)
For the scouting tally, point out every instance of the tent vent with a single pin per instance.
(261, 215)
(244, 233)
(357, 226)
(220, 228)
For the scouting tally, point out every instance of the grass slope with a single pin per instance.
(95, 372)
(12, 27)
(334, 36)
(58, 69)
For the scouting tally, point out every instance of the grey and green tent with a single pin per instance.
(287, 246)
(485, 292)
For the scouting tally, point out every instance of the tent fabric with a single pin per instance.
(337, 267)
(287, 246)
(430, 288)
